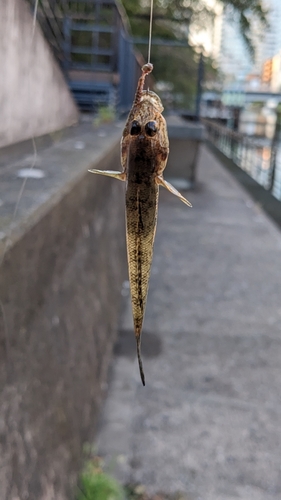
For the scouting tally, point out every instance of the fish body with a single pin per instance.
(144, 161)
(144, 154)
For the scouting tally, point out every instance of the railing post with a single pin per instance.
(66, 42)
(200, 76)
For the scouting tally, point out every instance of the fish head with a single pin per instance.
(147, 121)
(149, 98)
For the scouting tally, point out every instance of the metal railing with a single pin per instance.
(50, 17)
(258, 156)
(90, 40)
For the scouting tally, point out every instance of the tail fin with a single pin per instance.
(140, 361)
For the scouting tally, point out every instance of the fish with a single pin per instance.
(144, 155)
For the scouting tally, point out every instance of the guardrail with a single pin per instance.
(259, 157)
(91, 41)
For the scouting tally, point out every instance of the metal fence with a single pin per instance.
(90, 40)
(259, 157)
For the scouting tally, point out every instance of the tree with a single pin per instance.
(172, 18)
(175, 66)
(248, 12)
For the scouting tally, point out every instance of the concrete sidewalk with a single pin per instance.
(208, 422)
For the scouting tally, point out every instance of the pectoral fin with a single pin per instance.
(161, 182)
(121, 176)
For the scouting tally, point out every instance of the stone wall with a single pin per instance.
(34, 97)
(60, 285)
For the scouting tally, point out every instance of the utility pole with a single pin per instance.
(200, 77)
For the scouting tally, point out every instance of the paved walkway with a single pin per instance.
(208, 422)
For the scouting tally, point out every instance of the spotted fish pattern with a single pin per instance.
(144, 154)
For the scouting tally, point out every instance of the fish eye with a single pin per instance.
(135, 128)
(151, 128)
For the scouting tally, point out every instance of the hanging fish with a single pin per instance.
(144, 154)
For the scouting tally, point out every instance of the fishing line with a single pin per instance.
(21, 191)
(34, 18)
(32, 139)
(6, 331)
(150, 31)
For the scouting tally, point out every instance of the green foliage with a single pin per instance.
(95, 484)
(177, 67)
(105, 114)
(172, 17)
(138, 492)
(248, 11)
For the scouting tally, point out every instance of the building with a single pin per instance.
(208, 36)
(275, 82)
(270, 43)
(234, 58)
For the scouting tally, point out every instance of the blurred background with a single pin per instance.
(72, 411)
(217, 60)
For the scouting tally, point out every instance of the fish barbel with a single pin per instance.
(144, 154)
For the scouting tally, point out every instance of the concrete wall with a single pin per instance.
(60, 285)
(185, 138)
(34, 97)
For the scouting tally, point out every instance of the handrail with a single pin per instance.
(51, 24)
(260, 157)
(51, 17)
(92, 36)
